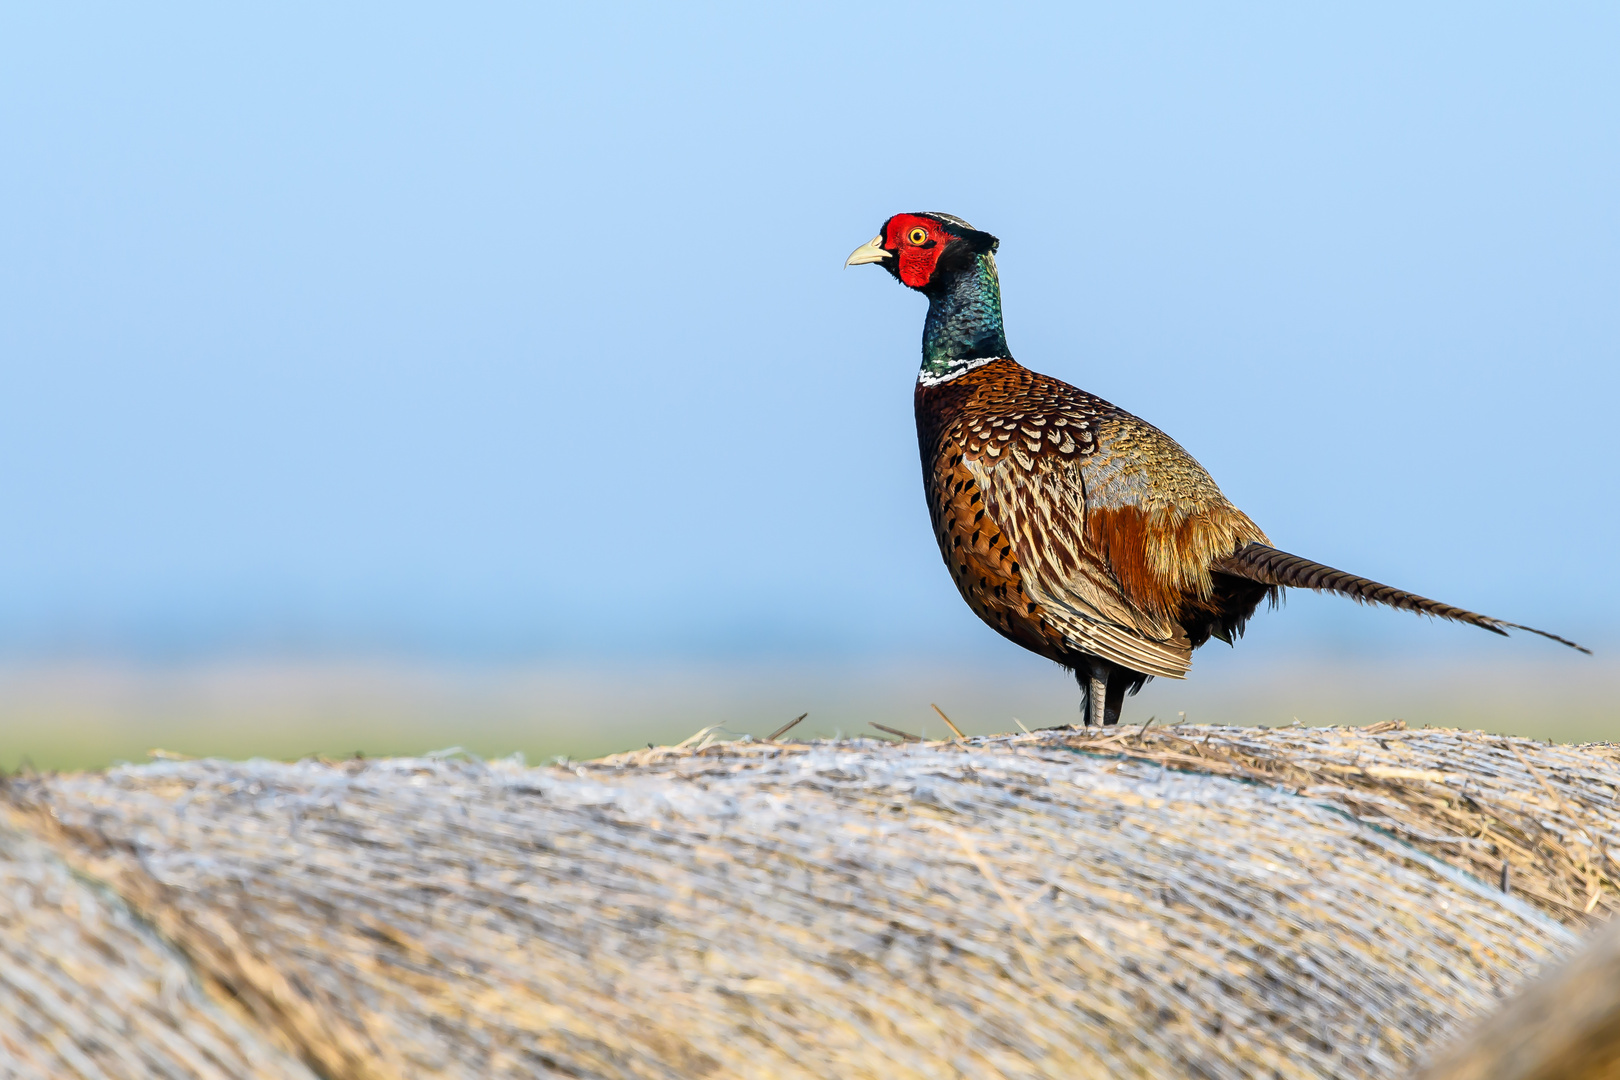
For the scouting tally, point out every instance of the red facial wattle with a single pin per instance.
(916, 260)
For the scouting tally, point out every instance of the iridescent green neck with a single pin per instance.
(963, 327)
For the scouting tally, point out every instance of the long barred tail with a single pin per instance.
(1268, 566)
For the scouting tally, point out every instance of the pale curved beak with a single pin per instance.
(869, 252)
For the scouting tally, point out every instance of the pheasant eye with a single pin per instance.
(918, 236)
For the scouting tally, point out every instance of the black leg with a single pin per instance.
(1117, 684)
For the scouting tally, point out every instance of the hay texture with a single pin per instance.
(88, 990)
(1201, 902)
(1566, 1026)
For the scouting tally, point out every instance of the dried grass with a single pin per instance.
(88, 990)
(1152, 901)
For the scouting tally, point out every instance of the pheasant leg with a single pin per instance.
(1116, 697)
(1096, 699)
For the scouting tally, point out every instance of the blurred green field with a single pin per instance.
(84, 716)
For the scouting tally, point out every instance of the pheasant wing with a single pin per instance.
(1040, 504)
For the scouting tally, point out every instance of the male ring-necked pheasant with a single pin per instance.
(1073, 528)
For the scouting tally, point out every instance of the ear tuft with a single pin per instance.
(975, 238)
(981, 242)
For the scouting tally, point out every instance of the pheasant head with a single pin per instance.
(954, 265)
(924, 250)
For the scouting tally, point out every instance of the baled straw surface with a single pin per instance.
(88, 990)
(1565, 1026)
(1209, 902)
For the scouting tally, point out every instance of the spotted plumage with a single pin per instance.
(1070, 526)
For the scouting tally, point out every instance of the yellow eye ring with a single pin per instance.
(918, 236)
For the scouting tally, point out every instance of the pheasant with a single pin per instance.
(1073, 528)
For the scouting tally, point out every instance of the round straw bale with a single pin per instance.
(1205, 902)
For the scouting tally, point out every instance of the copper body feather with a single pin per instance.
(1074, 528)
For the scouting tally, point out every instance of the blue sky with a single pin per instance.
(522, 332)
